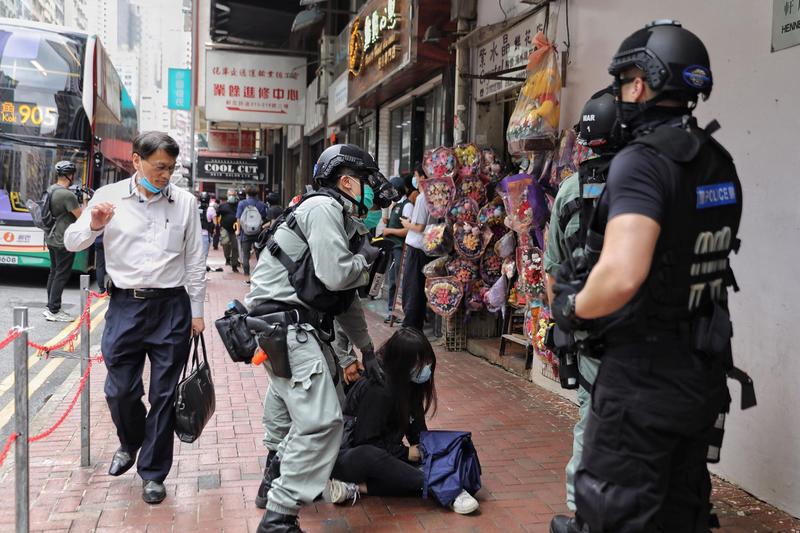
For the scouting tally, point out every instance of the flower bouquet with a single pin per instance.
(509, 267)
(444, 295)
(440, 163)
(492, 216)
(491, 267)
(464, 209)
(529, 266)
(469, 159)
(472, 187)
(462, 269)
(475, 290)
(491, 166)
(563, 166)
(495, 297)
(439, 193)
(437, 240)
(470, 240)
(514, 191)
(436, 268)
(506, 246)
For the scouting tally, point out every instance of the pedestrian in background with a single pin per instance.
(156, 267)
(65, 208)
(226, 215)
(395, 232)
(251, 214)
(414, 300)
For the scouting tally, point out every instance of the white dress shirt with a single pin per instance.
(149, 243)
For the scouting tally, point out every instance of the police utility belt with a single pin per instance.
(267, 327)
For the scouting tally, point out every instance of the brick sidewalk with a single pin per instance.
(522, 433)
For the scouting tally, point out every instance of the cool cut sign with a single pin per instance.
(235, 169)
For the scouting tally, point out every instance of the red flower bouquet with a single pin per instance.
(444, 295)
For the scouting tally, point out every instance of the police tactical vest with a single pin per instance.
(691, 269)
(310, 290)
(591, 178)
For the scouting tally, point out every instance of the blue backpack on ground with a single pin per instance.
(450, 464)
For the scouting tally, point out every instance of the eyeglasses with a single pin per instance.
(160, 167)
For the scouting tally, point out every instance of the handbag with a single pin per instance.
(195, 400)
(450, 464)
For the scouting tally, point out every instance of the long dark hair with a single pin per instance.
(405, 352)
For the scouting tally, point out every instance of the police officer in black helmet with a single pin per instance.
(308, 273)
(666, 223)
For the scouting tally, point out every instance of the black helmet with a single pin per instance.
(674, 60)
(65, 168)
(339, 155)
(358, 160)
(204, 197)
(598, 125)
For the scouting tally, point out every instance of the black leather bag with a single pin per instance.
(195, 400)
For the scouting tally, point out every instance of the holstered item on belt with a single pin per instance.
(712, 333)
(236, 336)
(563, 345)
(273, 341)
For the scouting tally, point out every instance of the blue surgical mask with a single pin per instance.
(149, 186)
(372, 219)
(414, 182)
(423, 376)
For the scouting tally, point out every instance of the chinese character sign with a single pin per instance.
(508, 50)
(785, 24)
(255, 88)
(180, 87)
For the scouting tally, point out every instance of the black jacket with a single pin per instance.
(369, 420)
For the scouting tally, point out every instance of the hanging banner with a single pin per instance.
(508, 50)
(255, 88)
(180, 87)
(231, 141)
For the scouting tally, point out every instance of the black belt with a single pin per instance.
(295, 314)
(147, 294)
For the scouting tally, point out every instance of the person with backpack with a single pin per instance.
(62, 207)
(315, 258)
(251, 214)
(388, 405)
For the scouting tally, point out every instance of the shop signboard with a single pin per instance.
(180, 87)
(379, 45)
(232, 141)
(337, 99)
(785, 24)
(255, 88)
(212, 168)
(508, 50)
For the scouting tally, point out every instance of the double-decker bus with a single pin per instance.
(60, 98)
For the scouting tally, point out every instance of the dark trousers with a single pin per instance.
(215, 241)
(384, 474)
(60, 271)
(247, 247)
(157, 328)
(644, 457)
(397, 253)
(414, 301)
(100, 265)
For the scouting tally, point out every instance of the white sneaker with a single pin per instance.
(339, 492)
(61, 316)
(464, 503)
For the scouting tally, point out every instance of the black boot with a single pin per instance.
(272, 470)
(565, 524)
(273, 522)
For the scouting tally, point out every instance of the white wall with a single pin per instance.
(755, 99)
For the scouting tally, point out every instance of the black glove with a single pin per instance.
(567, 286)
(369, 252)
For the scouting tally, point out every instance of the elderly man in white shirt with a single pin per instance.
(154, 258)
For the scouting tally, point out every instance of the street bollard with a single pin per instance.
(85, 398)
(22, 490)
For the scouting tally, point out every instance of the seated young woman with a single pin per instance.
(387, 405)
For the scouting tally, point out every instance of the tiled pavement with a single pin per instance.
(522, 433)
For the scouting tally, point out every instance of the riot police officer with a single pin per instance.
(668, 220)
(569, 222)
(308, 273)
